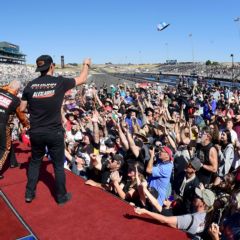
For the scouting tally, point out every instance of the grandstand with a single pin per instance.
(10, 53)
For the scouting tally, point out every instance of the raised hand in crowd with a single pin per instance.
(214, 231)
(124, 125)
(80, 162)
(201, 186)
(95, 161)
(122, 136)
(115, 177)
(152, 152)
(135, 125)
(95, 116)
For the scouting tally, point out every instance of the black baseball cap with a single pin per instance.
(109, 143)
(118, 158)
(43, 63)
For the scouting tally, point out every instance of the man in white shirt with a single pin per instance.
(229, 126)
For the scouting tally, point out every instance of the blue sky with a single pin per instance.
(123, 31)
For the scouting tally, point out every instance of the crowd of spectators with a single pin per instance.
(23, 73)
(219, 70)
(172, 152)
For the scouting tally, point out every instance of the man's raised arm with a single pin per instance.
(82, 78)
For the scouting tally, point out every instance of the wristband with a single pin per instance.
(86, 64)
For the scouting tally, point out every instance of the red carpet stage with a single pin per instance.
(12, 226)
(91, 214)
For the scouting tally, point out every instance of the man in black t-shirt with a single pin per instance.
(9, 105)
(43, 97)
(208, 155)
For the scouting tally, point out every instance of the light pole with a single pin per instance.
(232, 56)
(126, 60)
(193, 61)
(190, 36)
(140, 57)
(237, 20)
(167, 52)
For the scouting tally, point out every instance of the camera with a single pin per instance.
(157, 149)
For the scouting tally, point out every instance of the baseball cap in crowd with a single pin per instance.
(206, 195)
(109, 143)
(118, 158)
(168, 151)
(108, 100)
(115, 107)
(196, 163)
(43, 63)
